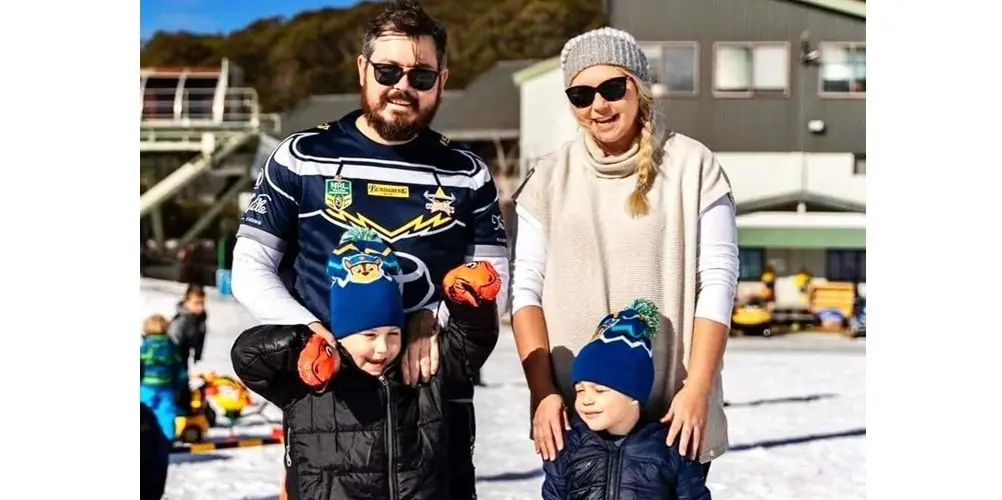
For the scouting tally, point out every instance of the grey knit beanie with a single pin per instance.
(604, 46)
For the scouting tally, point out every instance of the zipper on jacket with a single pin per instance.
(615, 461)
(288, 443)
(390, 451)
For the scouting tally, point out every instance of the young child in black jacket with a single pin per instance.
(609, 452)
(187, 329)
(354, 430)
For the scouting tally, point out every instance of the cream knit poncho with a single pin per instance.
(599, 258)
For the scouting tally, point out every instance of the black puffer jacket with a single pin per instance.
(154, 456)
(597, 466)
(365, 437)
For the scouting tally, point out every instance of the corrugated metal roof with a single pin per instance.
(852, 7)
(490, 105)
(536, 70)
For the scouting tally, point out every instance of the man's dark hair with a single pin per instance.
(408, 18)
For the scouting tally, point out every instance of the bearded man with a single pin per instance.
(381, 168)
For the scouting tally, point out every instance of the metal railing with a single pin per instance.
(271, 123)
(208, 107)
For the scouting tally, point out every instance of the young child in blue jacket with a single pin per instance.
(610, 452)
(163, 374)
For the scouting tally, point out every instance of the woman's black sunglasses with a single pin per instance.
(389, 74)
(581, 96)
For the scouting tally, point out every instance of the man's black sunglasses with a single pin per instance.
(581, 96)
(389, 74)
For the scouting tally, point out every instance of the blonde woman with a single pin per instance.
(628, 209)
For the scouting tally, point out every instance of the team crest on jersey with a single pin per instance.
(337, 194)
(440, 202)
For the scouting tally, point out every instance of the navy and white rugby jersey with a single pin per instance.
(434, 203)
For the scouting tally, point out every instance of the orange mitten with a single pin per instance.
(472, 282)
(318, 362)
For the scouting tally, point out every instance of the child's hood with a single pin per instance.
(184, 312)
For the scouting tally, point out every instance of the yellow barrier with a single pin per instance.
(207, 447)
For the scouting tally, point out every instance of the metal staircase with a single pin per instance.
(207, 113)
(190, 171)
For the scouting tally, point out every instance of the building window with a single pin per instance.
(674, 65)
(680, 68)
(843, 69)
(846, 265)
(745, 69)
(859, 166)
(751, 263)
(654, 54)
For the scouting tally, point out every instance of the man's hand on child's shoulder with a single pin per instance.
(472, 283)
(319, 329)
(318, 362)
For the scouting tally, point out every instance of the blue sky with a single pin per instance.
(213, 16)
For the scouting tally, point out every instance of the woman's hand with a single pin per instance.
(687, 415)
(549, 421)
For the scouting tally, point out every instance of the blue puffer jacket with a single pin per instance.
(597, 466)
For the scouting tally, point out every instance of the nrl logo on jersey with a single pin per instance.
(337, 194)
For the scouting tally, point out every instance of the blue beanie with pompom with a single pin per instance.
(619, 356)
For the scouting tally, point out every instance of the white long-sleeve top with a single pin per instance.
(716, 262)
(257, 286)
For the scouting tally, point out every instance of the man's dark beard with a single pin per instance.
(398, 129)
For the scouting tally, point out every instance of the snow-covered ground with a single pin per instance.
(796, 414)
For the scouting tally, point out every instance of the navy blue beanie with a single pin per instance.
(619, 355)
(364, 293)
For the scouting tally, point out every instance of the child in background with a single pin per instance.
(188, 327)
(610, 452)
(163, 374)
(354, 429)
